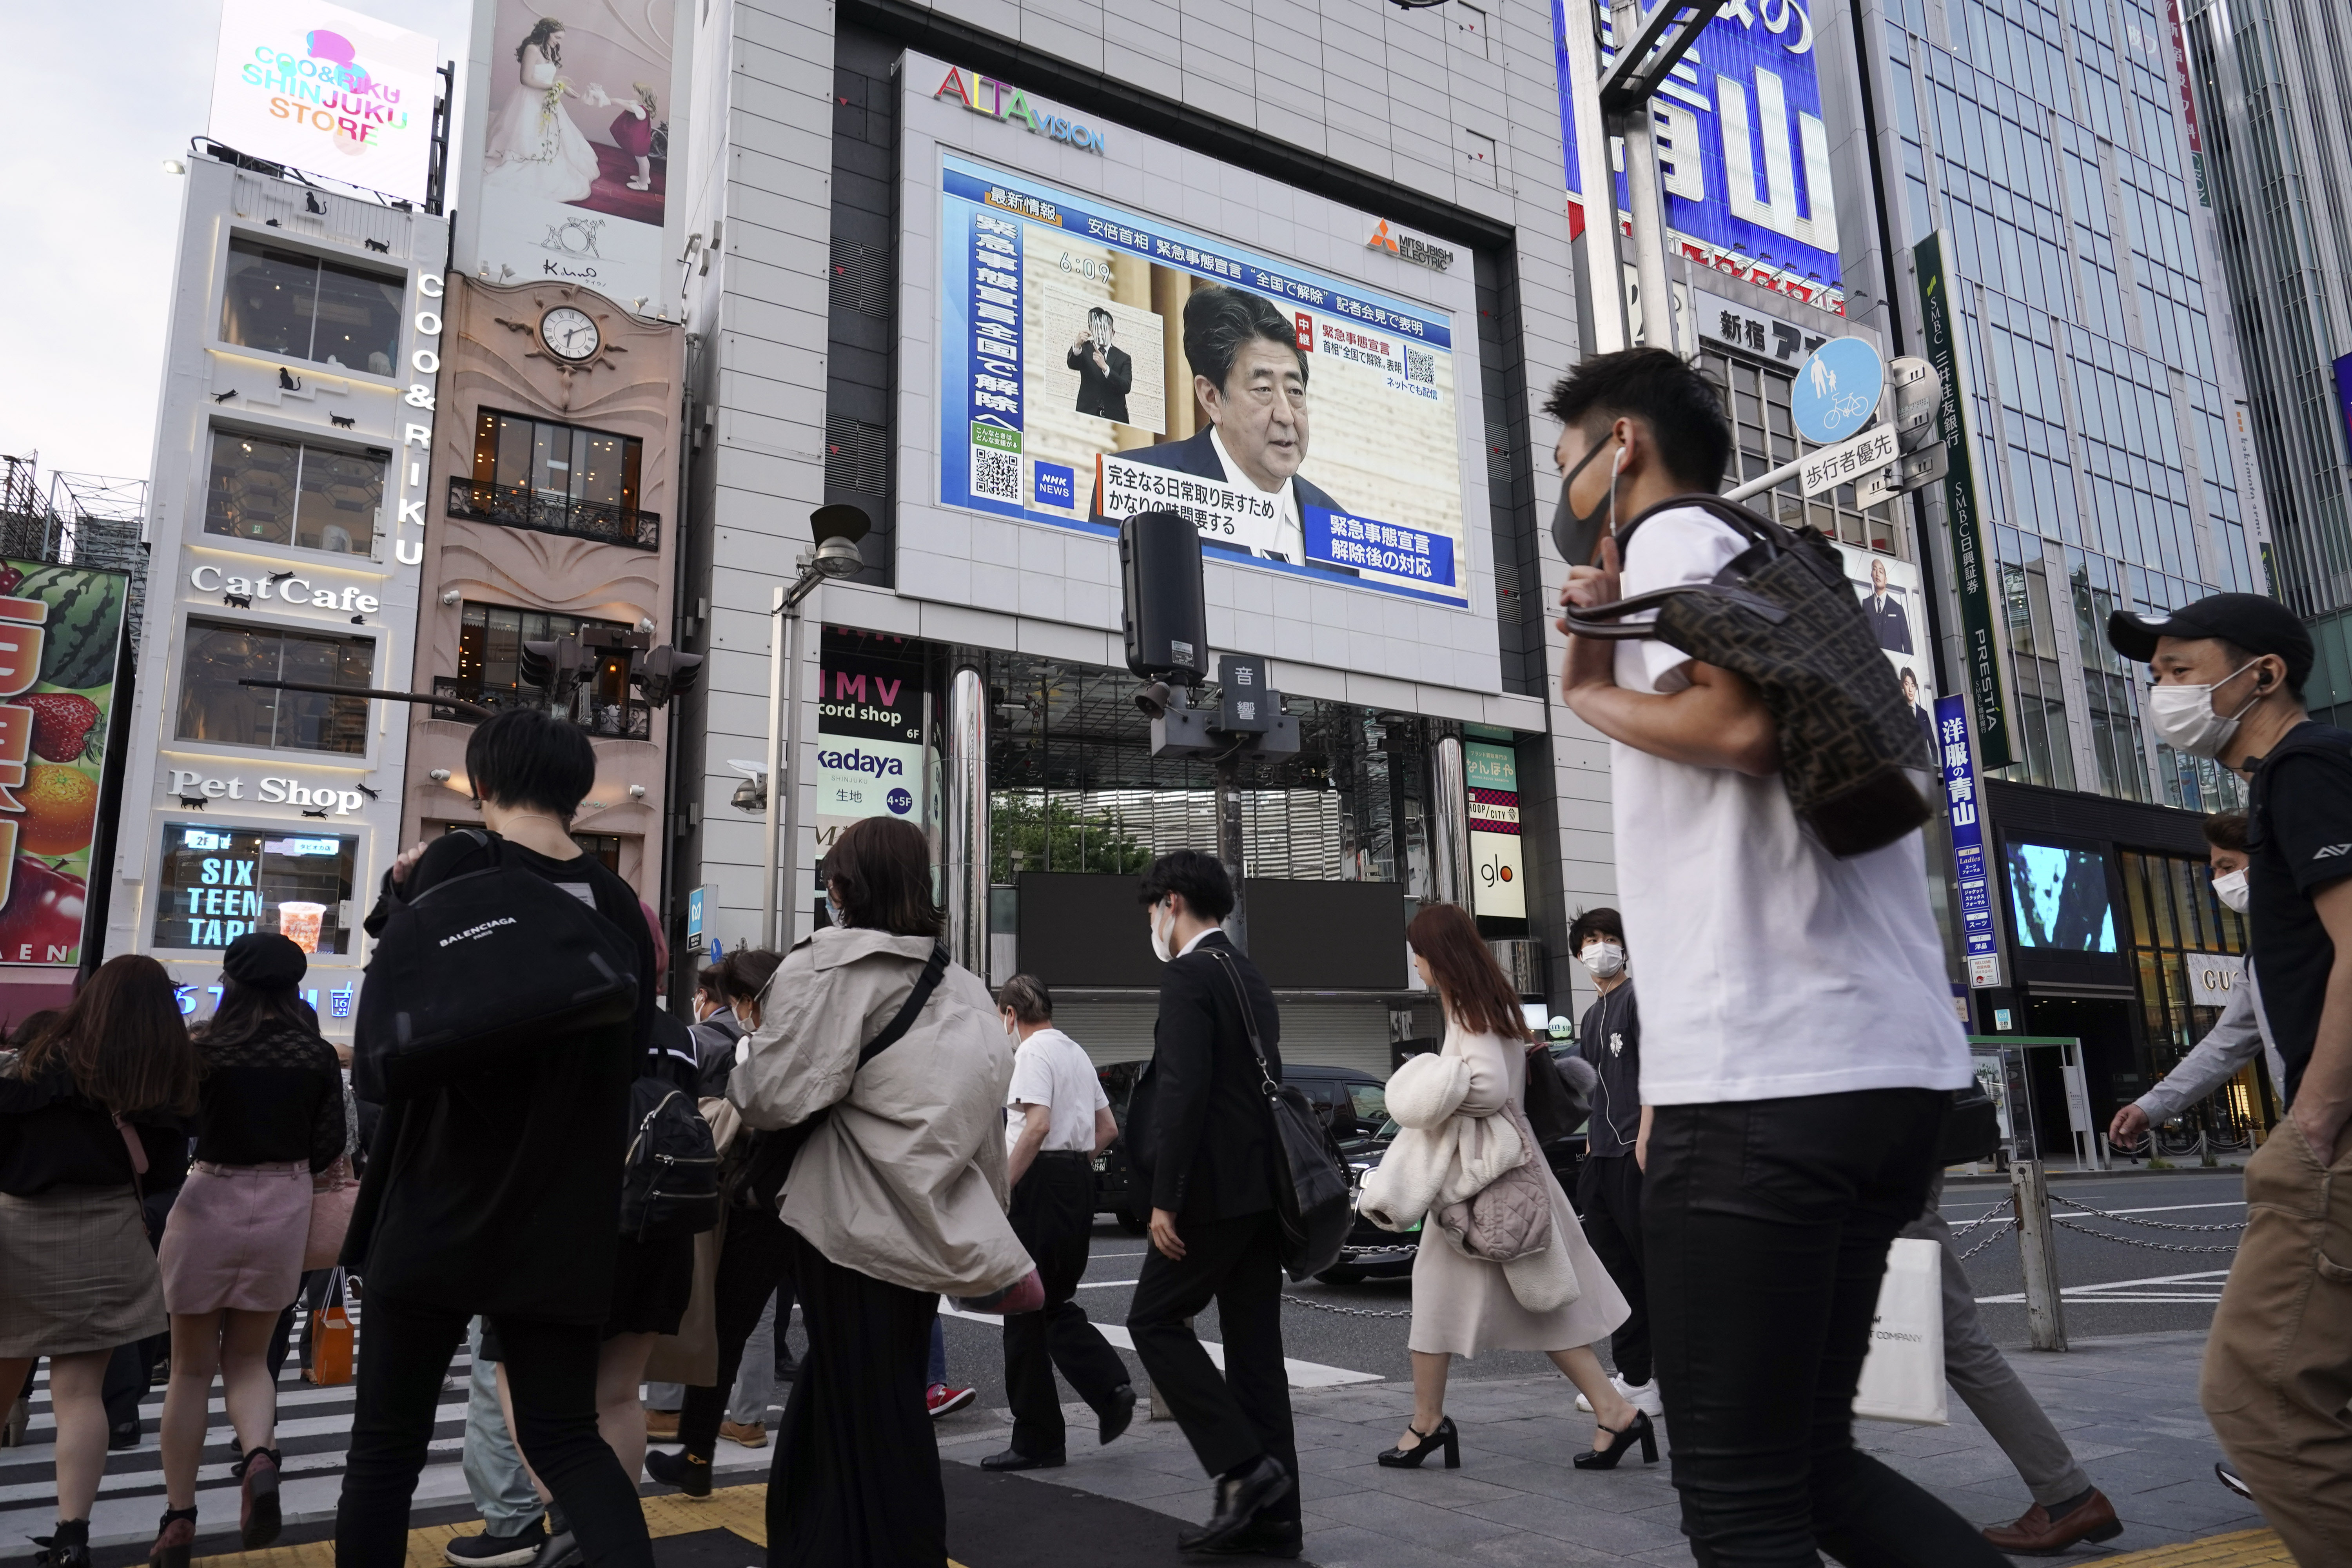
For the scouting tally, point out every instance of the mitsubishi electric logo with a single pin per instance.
(1405, 248)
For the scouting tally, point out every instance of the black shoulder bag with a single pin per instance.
(1310, 1195)
(770, 1163)
(1782, 616)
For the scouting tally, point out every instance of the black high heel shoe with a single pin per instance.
(1639, 1430)
(1445, 1436)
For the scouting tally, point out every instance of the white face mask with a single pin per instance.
(2231, 890)
(1160, 937)
(1606, 959)
(2183, 716)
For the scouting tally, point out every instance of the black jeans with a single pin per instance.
(1608, 1202)
(1767, 1223)
(405, 1353)
(1054, 1216)
(1232, 1418)
(754, 1263)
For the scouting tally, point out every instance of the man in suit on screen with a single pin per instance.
(1106, 370)
(1886, 611)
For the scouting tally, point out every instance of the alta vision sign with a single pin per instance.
(1002, 100)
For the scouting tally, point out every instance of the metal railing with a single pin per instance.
(630, 720)
(519, 506)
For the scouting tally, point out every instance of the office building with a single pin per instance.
(2025, 200)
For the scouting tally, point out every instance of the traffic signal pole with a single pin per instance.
(1648, 49)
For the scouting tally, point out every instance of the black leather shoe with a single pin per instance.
(689, 1473)
(1014, 1460)
(1122, 1411)
(1262, 1538)
(1240, 1494)
(1638, 1431)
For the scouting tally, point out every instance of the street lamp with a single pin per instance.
(837, 529)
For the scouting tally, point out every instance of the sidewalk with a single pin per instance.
(2129, 1406)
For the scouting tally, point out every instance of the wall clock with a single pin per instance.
(569, 334)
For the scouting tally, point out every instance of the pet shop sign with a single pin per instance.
(326, 90)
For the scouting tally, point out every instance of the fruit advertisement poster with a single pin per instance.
(61, 627)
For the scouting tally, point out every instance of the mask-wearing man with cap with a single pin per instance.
(2278, 1364)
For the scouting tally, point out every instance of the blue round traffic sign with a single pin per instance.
(1837, 391)
(900, 801)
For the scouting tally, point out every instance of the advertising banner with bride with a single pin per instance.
(572, 184)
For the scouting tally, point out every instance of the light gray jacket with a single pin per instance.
(905, 1181)
(2227, 1046)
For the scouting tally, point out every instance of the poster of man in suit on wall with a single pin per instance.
(1887, 620)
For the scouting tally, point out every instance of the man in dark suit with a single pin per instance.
(1249, 376)
(1105, 372)
(1911, 699)
(1205, 1151)
(1886, 611)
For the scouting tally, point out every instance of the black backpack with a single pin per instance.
(669, 1183)
(481, 970)
(1783, 616)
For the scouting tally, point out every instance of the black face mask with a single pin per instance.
(1576, 537)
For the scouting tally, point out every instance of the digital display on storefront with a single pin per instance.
(2058, 899)
(869, 753)
(214, 884)
(1096, 362)
(1897, 607)
(1498, 884)
(325, 89)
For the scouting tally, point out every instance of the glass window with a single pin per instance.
(284, 492)
(489, 648)
(288, 302)
(214, 707)
(1371, 1102)
(558, 479)
(218, 883)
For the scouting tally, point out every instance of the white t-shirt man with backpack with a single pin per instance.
(1798, 1039)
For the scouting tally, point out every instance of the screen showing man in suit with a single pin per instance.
(1097, 361)
(1104, 370)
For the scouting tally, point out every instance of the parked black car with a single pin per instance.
(1354, 1101)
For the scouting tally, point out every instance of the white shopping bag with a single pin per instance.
(1903, 1376)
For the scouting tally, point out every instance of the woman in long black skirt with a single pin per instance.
(917, 1133)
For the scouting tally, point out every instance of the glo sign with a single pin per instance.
(1743, 146)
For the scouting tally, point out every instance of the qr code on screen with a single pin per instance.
(995, 476)
(1420, 364)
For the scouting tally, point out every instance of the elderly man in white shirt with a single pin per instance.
(1060, 1118)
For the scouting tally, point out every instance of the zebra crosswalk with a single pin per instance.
(313, 1433)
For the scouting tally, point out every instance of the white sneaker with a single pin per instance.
(1644, 1397)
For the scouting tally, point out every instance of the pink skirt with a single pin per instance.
(234, 1238)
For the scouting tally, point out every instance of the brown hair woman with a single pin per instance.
(1463, 1305)
(89, 1103)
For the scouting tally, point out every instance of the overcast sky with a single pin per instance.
(100, 95)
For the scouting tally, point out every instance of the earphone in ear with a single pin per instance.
(1618, 467)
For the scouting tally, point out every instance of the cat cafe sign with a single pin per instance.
(285, 587)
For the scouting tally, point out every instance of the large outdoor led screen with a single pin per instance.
(2058, 899)
(1096, 362)
(328, 90)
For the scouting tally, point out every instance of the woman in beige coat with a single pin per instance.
(1462, 1305)
(897, 1198)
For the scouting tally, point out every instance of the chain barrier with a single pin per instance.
(1985, 1218)
(2134, 1241)
(1378, 1251)
(2150, 1224)
(1344, 1311)
(1989, 1240)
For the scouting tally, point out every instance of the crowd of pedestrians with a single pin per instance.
(841, 1134)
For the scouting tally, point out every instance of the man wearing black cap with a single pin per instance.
(2278, 1363)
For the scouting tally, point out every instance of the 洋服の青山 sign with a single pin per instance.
(1002, 100)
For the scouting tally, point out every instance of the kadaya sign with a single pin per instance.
(59, 629)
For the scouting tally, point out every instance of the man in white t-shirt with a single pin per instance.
(1060, 1119)
(1798, 1037)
